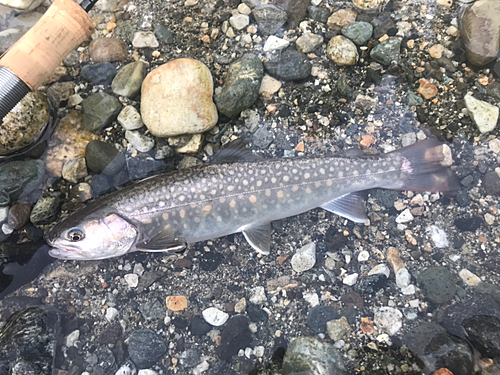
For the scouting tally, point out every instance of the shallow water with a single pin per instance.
(443, 313)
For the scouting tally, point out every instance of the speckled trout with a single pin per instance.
(240, 192)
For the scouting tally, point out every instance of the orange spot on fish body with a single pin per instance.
(253, 198)
(207, 208)
(182, 214)
(268, 193)
(165, 216)
(279, 194)
(232, 203)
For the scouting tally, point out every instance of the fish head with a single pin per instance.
(92, 234)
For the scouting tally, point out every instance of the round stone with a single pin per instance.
(289, 65)
(99, 74)
(145, 347)
(308, 42)
(101, 157)
(140, 142)
(107, 50)
(99, 110)
(130, 118)
(387, 51)
(177, 99)
(359, 32)
(342, 51)
(215, 316)
(129, 79)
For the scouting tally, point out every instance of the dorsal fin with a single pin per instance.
(234, 152)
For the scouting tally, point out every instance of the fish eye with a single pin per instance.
(76, 234)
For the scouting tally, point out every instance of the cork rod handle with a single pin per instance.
(60, 30)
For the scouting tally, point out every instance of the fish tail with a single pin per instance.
(425, 167)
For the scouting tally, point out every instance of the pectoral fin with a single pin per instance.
(168, 240)
(351, 206)
(259, 237)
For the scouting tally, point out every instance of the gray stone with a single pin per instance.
(101, 157)
(296, 11)
(129, 79)
(438, 284)
(19, 178)
(305, 258)
(130, 118)
(307, 355)
(480, 31)
(10, 36)
(239, 21)
(140, 142)
(359, 32)
(99, 74)
(491, 183)
(99, 110)
(153, 309)
(241, 87)
(269, 18)
(164, 35)
(24, 123)
(60, 91)
(484, 114)
(338, 329)
(72, 59)
(308, 42)
(145, 347)
(19, 215)
(289, 65)
(319, 14)
(387, 51)
(414, 99)
(45, 208)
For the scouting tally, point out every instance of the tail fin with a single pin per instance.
(425, 167)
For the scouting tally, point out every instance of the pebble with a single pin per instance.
(341, 18)
(132, 280)
(145, 347)
(235, 336)
(163, 35)
(483, 332)
(308, 42)
(147, 372)
(289, 65)
(60, 92)
(145, 39)
(99, 110)
(481, 42)
(215, 317)
(18, 216)
(244, 9)
(140, 142)
(338, 329)
(394, 259)
(129, 118)
(167, 96)
(193, 146)
(241, 87)
(74, 169)
(240, 306)
(494, 145)
(239, 21)
(489, 218)
(31, 115)
(305, 355)
(258, 295)
(319, 14)
(427, 89)
(107, 50)
(101, 157)
(408, 139)
(99, 74)
(387, 51)
(269, 18)
(484, 114)
(408, 290)
(380, 268)
(111, 314)
(438, 236)
(45, 208)
(359, 32)
(342, 51)
(129, 79)
(176, 303)
(388, 320)
(350, 279)
(318, 317)
(72, 338)
(436, 51)
(305, 258)
(363, 256)
(403, 278)
(491, 182)
(404, 217)
(469, 278)
(273, 43)
(269, 86)
(438, 284)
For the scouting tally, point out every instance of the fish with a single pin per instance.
(241, 192)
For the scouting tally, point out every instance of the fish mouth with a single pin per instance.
(65, 253)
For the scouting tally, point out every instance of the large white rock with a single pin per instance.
(177, 99)
(305, 258)
(484, 115)
(214, 316)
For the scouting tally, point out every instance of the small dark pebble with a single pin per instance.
(99, 74)
(198, 326)
(210, 261)
(256, 314)
(289, 65)
(145, 347)
(190, 358)
(318, 316)
(470, 224)
(372, 283)
(234, 336)
(438, 284)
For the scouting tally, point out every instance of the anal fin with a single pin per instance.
(351, 206)
(168, 240)
(259, 237)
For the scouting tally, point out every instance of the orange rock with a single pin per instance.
(205, 39)
(394, 259)
(176, 303)
(367, 140)
(281, 259)
(483, 80)
(427, 89)
(367, 326)
(443, 371)
(300, 147)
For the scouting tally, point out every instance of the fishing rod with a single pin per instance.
(27, 64)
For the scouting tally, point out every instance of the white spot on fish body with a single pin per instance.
(307, 175)
(259, 183)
